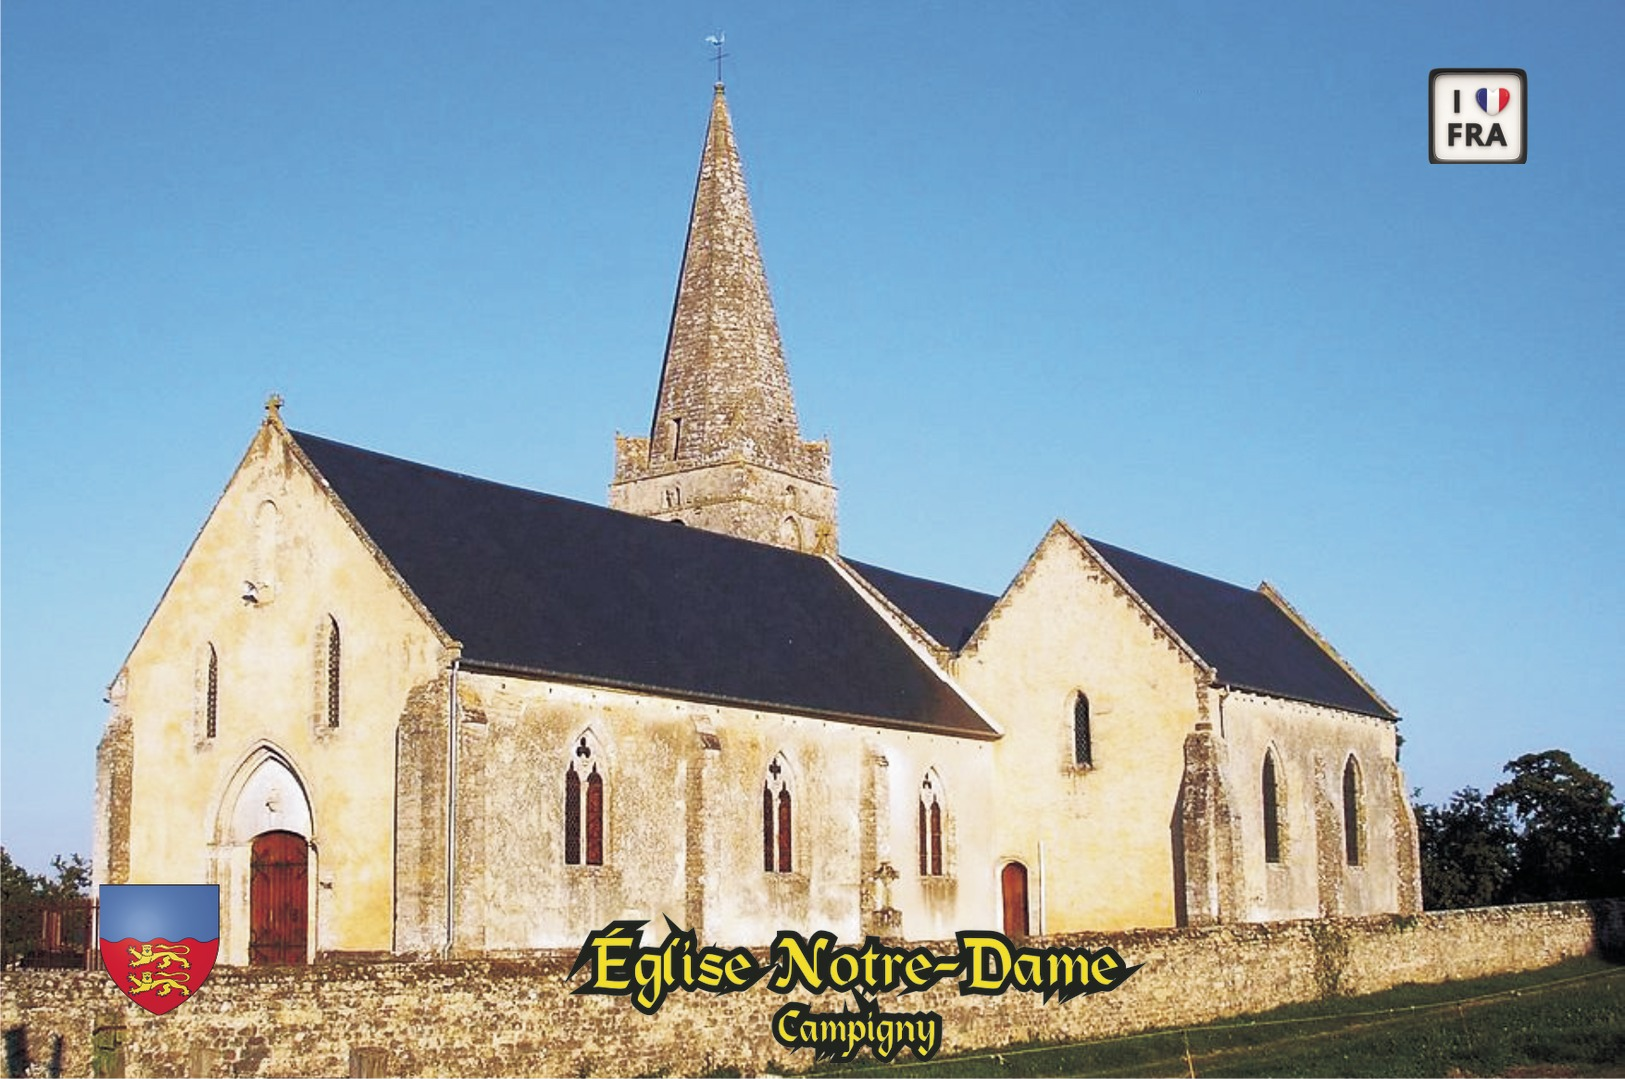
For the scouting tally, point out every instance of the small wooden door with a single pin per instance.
(1014, 886)
(278, 895)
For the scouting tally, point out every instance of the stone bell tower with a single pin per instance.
(725, 452)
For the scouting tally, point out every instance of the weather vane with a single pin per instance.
(716, 41)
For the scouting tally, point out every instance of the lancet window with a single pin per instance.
(777, 819)
(332, 670)
(211, 695)
(1083, 750)
(1272, 810)
(584, 805)
(1352, 847)
(931, 863)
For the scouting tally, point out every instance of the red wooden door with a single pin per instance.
(1014, 885)
(278, 894)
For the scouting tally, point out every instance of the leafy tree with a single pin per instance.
(18, 887)
(1467, 851)
(1569, 842)
(1551, 831)
(72, 878)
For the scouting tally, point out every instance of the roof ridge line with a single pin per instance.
(1273, 594)
(296, 435)
(883, 607)
(1175, 566)
(927, 580)
(937, 647)
(469, 477)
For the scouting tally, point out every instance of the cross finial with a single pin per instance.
(716, 41)
(273, 406)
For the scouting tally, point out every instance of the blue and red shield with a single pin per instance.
(159, 941)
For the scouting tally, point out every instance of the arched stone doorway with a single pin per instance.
(1013, 888)
(265, 864)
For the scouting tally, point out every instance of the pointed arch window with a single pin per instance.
(931, 863)
(1272, 810)
(211, 695)
(266, 520)
(332, 671)
(790, 533)
(1352, 847)
(777, 819)
(584, 805)
(1083, 750)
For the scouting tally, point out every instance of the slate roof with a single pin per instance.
(947, 612)
(1250, 641)
(535, 583)
(1240, 632)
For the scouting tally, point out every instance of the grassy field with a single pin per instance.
(1567, 1020)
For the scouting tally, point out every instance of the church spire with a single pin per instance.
(724, 396)
(724, 388)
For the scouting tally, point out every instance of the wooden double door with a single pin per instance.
(278, 899)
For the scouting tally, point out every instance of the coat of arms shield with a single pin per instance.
(159, 941)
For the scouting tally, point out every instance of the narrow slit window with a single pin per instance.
(595, 818)
(785, 862)
(1082, 745)
(572, 817)
(931, 826)
(211, 699)
(769, 853)
(936, 839)
(1272, 811)
(1351, 812)
(333, 656)
(925, 843)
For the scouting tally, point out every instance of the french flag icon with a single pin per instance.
(1492, 100)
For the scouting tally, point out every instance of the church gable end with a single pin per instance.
(277, 526)
(1081, 803)
(242, 650)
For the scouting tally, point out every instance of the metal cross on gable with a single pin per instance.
(716, 41)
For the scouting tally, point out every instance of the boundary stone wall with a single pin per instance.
(491, 1016)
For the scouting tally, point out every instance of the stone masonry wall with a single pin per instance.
(518, 1017)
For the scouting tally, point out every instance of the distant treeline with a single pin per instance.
(1551, 831)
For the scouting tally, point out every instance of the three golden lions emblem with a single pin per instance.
(164, 956)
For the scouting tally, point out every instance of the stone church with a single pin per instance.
(393, 709)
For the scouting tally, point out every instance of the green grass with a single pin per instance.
(1567, 1020)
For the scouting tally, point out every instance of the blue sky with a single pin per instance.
(1181, 275)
